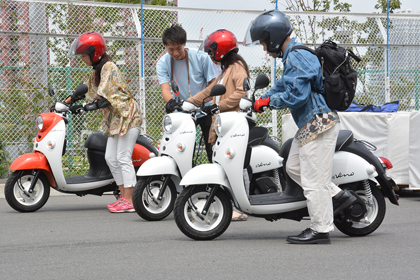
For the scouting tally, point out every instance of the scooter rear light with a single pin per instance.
(386, 162)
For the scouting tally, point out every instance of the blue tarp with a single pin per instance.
(387, 107)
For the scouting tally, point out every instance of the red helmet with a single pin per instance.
(91, 43)
(219, 43)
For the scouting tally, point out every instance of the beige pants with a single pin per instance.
(311, 167)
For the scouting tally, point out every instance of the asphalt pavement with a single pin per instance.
(78, 238)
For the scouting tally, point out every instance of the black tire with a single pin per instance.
(375, 214)
(219, 215)
(16, 197)
(146, 207)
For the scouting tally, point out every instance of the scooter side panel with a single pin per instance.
(206, 174)
(350, 167)
(277, 208)
(263, 159)
(140, 155)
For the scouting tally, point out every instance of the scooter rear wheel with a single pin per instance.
(145, 198)
(374, 216)
(17, 195)
(189, 217)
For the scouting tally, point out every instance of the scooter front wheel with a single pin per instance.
(146, 199)
(17, 194)
(190, 218)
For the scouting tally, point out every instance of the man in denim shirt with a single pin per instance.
(311, 154)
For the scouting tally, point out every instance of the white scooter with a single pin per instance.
(28, 188)
(158, 179)
(203, 209)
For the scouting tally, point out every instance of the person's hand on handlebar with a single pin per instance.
(211, 110)
(171, 105)
(262, 104)
(76, 109)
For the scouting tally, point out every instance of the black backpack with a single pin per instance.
(340, 79)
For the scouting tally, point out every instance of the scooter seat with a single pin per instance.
(344, 138)
(96, 141)
(257, 135)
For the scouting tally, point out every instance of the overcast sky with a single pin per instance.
(358, 6)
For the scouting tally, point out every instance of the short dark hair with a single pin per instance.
(174, 35)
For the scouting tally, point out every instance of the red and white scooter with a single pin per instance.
(28, 188)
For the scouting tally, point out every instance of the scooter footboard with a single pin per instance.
(204, 174)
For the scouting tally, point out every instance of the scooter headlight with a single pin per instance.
(39, 123)
(167, 124)
(218, 125)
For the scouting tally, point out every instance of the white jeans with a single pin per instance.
(311, 167)
(119, 150)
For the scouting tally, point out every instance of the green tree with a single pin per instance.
(393, 4)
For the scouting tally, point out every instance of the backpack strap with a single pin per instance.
(302, 47)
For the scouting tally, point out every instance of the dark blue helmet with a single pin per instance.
(272, 28)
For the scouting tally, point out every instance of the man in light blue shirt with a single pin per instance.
(192, 70)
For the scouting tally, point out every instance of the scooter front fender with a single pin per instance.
(30, 161)
(159, 166)
(204, 174)
(33, 161)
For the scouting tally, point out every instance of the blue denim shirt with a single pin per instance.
(293, 89)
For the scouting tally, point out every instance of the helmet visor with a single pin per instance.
(78, 47)
(248, 38)
(201, 48)
(208, 46)
(72, 50)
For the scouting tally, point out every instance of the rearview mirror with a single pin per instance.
(174, 87)
(262, 81)
(246, 85)
(218, 90)
(80, 90)
(50, 90)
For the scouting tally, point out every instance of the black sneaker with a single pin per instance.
(309, 236)
(342, 200)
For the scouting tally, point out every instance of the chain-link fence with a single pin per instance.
(35, 36)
